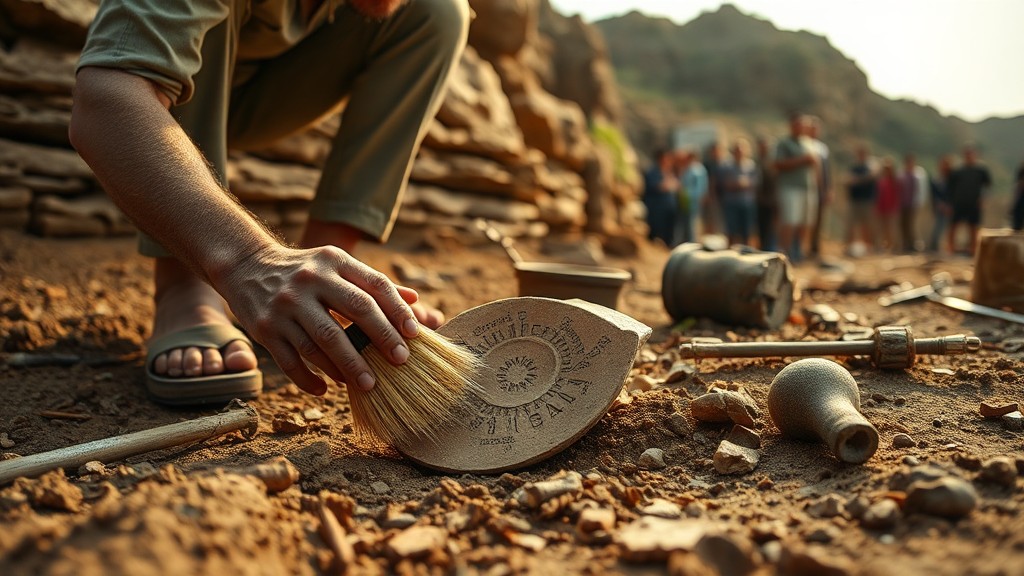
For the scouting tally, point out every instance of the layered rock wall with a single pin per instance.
(503, 146)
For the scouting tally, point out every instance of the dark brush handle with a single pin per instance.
(358, 338)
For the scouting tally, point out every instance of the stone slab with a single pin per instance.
(553, 369)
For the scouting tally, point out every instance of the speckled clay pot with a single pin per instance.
(814, 399)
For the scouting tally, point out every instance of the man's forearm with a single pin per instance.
(156, 175)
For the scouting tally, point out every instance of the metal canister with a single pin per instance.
(743, 287)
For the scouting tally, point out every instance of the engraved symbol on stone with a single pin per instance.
(517, 374)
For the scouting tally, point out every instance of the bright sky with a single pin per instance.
(964, 57)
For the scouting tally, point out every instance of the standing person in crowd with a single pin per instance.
(887, 203)
(860, 188)
(714, 157)
(941, 207)
(796, 164)
(694, 194)
(739, 185)
(767, 201)
(1018, 202)
(967, 187)
(913, 190)
(661, 189)
(824, 182)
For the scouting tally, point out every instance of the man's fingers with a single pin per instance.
(408, 294)
(290, 362)
(330, 346)
(387, 297)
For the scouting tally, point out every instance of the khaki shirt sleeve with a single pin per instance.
(160, 40)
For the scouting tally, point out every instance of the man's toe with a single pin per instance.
(239, 357)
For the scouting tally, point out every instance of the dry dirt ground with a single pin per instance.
(799, 512)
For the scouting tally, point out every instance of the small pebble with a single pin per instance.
(380, 487)
(680, 371)
(988, 410)
(678, 425)
(900, 401)
(695, 509)
(857, 506)
(911, 460)
(828, 507)
(734, 459)
(950, 497)
(903, 441)
(399, 521)
(6, 442)
(1013, 421)
(92, 467)
(641, 383)
(824, 534)
(312, 414)
(881, 515)
(729, 553)
(662, 508)
(937, 423)
(1000, 470)
(288, 423)
(652, 459)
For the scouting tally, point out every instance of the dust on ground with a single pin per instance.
(799, 512)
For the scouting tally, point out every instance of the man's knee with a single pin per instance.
(445, 21)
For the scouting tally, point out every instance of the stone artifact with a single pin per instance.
(999, 270)
(890, 347)
(552, 370)
(815, 399)
(747, 288)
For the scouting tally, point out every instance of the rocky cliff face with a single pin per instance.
(512, 142)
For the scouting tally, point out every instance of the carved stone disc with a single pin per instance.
(553, 368)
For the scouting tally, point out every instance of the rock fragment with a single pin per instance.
(662, 508)
(729, 554)
(653, 539)
(678, 425)
(288, 423)
(827, 507)
(641, 383)
(1000, 470)
(6, 442)
(992, 410)
(903, 441)
(725, 406)
(735, 459)
(1013, 421)
(534, 494)
(652, 459)
(680, 371)
(812, 561)
(949, 497)
(312, 414)
(380, 487)
(416, 542)
(53, 490)
(743, 436)
(595, 525)
(881, 515)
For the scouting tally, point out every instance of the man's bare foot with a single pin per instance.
(323, 233)
(184, 301)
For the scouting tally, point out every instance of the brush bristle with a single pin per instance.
(418, 399)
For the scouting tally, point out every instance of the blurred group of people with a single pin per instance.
(766, 196)
(888, 202)
(773, 195)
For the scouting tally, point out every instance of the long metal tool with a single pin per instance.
(239, 416)
(940, 284)
(968, 306)
(890, 347)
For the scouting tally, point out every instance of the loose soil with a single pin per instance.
(183, 511)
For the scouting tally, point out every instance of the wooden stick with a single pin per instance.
(61, 415)
(116, 448)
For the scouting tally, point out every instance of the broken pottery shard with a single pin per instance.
(417, 542)
(553, 368)
(734, 459)
(989, 410)
(652, 539)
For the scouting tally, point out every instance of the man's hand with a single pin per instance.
(284, 298)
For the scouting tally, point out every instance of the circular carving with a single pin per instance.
(522, 370)
(553, 368)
